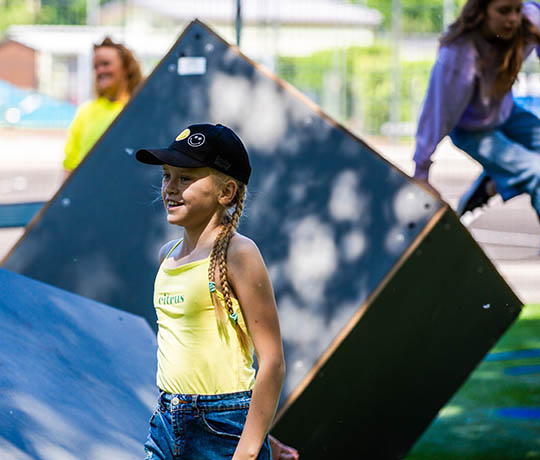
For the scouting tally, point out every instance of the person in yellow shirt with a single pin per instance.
(116, 75)
(215, 308)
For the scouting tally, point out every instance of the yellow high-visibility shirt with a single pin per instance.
(90, 122)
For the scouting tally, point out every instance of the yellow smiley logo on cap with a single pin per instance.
(183, 134)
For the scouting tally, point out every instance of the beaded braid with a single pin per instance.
(218, 261)
(218, 243)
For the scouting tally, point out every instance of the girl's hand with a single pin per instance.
(282, 452)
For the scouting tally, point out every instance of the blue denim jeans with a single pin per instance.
(199, 427)
(510, 154)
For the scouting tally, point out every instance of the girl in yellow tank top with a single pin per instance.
(215, 306)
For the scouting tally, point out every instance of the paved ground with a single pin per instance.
(30, 170)
(510, 233)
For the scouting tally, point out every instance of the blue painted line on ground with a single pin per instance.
(529, 413)
(522, 370)
(508, 355)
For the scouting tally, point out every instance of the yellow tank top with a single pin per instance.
(195, 356)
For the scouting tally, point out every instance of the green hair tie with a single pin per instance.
(234, 316)
(212, 286)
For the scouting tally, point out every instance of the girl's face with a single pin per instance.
(503, 17)
(190, 195)
(109, 71)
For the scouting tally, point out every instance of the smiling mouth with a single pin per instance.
(103, 78)
(173, 204)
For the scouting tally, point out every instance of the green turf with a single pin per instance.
(469, 427)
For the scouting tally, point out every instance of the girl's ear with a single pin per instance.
(227, 192)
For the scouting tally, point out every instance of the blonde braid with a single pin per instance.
(220, 311)
(218, 261)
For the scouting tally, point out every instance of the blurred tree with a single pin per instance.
(418, 16)
(43, 12)
(367, 84)
(14, 12)
(62, 12)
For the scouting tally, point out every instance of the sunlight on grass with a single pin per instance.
(450, 411)
(473, 425)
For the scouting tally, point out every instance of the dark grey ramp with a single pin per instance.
(77, 378)
(315, 187)
(335, 223)
(404, 354)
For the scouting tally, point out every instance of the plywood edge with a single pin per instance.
(340, 337)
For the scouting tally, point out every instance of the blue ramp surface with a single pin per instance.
(77, 378)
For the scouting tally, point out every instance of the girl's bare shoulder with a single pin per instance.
(246, 264)
(242, 248)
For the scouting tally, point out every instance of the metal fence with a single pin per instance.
(355, 63)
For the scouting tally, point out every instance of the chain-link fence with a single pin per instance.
(363, 62)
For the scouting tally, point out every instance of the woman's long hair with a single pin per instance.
(472, 17)
(129, 63)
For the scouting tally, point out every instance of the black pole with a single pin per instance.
(238, 21)
(396, 66)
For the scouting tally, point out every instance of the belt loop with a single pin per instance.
(194, 403)
(161, 401)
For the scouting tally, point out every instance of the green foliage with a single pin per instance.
(42, 12)
(62, 12)
(366, 84)
(13, 13)
(417, 16)
(421, 17)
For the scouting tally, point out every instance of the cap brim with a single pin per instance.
(167, 156)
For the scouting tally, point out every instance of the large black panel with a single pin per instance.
(404, 354)
(77, 378)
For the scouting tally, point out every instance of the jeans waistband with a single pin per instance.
(225, 401)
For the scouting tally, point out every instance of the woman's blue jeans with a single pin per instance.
(199, 427)
(510, 154)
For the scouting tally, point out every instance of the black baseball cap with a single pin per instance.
(203, 145)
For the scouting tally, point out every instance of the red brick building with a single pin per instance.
(18, 64)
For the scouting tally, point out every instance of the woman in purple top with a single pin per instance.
(470, 98)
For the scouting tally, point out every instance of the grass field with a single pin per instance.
(495, 415)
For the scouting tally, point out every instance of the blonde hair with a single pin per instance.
(218, 261)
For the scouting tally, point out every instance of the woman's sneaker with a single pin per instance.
(474, 199)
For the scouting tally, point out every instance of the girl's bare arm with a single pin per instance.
(253, 288)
